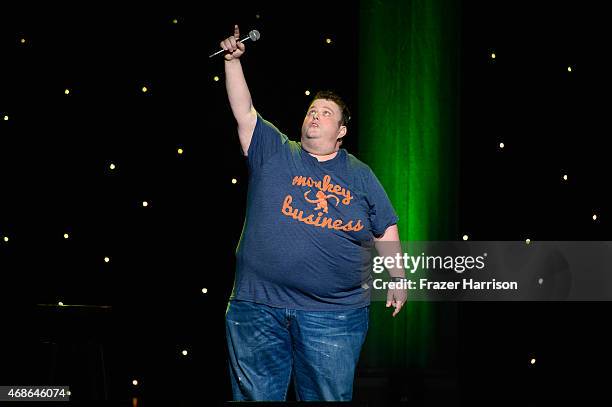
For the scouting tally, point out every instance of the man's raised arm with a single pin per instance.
(237, 89)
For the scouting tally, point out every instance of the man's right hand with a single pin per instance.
(232, 46)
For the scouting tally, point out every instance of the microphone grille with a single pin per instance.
(254, 35)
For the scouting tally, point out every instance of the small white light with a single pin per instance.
(465, 237)
(493, 55)
(5, 117)
(328, 40)
(533, 361)
(307, 93)
(175, 21)
(66, 91)
(569, 69)
(234, 181)
(594, 217)
(184, 353)
(145, 204)
(144, 89)
(66, 236)
(106, 259)
(257, 16)
(565, 177)
(501, 145)
(61, 304)
(135, 382)
(216, 78)
(112, 166)
(179, 151)
(22, 40)
(204, 290)
(6, 239)
(540, 281)
(527, 241)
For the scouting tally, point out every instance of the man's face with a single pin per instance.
(322, 123)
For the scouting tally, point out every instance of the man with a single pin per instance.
(301, 295)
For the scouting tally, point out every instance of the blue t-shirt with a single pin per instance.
(309, 226)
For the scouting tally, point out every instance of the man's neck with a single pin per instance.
(323, 156)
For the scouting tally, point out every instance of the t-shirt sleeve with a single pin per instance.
(266, 141)
(382, 213)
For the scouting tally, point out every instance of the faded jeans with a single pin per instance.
(268, 345)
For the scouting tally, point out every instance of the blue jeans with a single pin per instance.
(268, 345)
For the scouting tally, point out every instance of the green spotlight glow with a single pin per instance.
(408, 120)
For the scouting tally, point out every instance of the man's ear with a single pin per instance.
(341, 132)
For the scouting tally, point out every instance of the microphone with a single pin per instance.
(253, 36)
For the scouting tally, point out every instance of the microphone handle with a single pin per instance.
(222, 50)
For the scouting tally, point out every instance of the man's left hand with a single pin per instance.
(396, 297)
